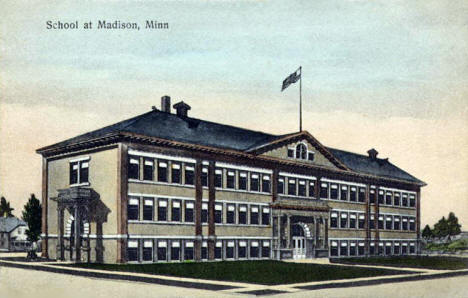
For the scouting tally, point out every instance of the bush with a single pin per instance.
(458, 245)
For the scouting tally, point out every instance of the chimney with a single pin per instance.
(182, 109)
(166, 104)
(373, 154)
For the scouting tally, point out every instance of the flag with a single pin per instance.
(291, 79)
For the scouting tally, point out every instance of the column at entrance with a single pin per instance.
(60, 244)
(77, 234)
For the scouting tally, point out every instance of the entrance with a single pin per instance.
(299, 242)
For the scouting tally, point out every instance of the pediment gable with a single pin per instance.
(301, 147)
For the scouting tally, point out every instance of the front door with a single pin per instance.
(299, 247)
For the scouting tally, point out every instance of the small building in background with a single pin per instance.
(13, 234)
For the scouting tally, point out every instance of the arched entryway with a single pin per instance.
(299, 234)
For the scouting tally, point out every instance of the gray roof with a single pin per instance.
(366, 165)
(200, 132)
(8, 224)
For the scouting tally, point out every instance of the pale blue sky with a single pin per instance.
(389, 74)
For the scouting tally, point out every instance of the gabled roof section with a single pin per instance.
(294, 137)
(373, 166)
(182, 129)
(8, 224)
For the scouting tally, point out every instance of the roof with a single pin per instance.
(367, 165)
(8, 224)
(194, 131)
(188, 130)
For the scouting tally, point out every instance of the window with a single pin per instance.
(404, 225)
(334, 191)
(353, 194)
(381, 197)
(231, 214)
(132, 251)
(362, 220)
(148, 250)
(388, 198)
(412, 248)
(381, 248)
(281, 185)
(205, 176)
(343, 220)
(162, 171)
(204, 250)
(290, 152)
(254, 250)
(148, 209)
(404, 200)
(381, 222)
(291, 186)
(265, 216)
(334, 248)
(230, 250)
(254, 215)
(388, 248)
(361, 248)
(396, 199)
(404, 248)
(344, 193)
(324, 190)
(343, 248)
(231, 179)
(396, 248)
(175, 212)
(148, 169)
(133, 167)
(412, 200)
(188, 250)
(254, 184)
(372, 196)
(334, 220)
(312, 189)
(352, 248)
(79, 172)
(266, 183)
(218, 178)
(204, 212)
(133, 208)
(218, 213)
(189, 174)
(301, 151)
(362, 194)
(243, 180)
(311, 156)
(218, 250)
(162, 210)
(242, 249)
(388, 222)
(411, 224)
(372, 248)
(175, 250)
(242, 214)
(396, 223)
(352, 220)
(372, 221)
(188, 217)
(175, 173)
(302, 188)
(265, 249)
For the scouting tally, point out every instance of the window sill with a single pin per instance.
(80, 184)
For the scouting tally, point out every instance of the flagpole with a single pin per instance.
(300, 99)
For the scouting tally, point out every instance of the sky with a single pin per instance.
(390, 75)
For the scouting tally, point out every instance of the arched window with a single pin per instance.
(301, 151)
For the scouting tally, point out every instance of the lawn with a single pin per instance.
(258, 272)
(427, 262)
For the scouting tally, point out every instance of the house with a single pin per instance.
(164, 186)
(13, 234)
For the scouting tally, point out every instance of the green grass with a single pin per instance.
(427, 262)
(461, 244)
(258, 272)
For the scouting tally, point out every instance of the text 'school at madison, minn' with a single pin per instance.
(103, 24)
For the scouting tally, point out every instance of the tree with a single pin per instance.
(427, 232)
(5, 209)
(453, 227)
(441, 228)
(32, 215)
